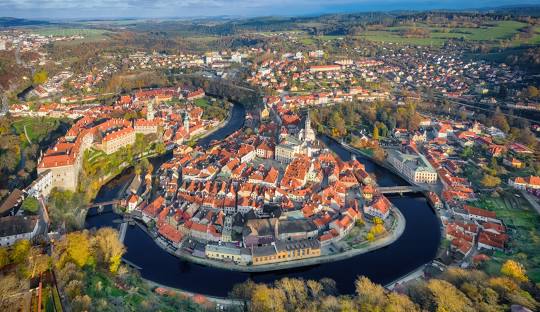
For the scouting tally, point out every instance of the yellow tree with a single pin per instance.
(515, 270)
(108, 247)
(78, 247)
(20, 251)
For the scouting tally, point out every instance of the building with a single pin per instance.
(115, 140)
(379, 207)
(282, 251)
(288, 149)
(324, 68)
(15, 228)
(11, 203)
(228, 253)
(520, 183)
(42, 186)
(288, 230)
(414, 166)
(145, 127)
(309, 134)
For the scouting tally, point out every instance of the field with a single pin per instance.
(503, 30)
(89, 34)
(202, 103)
(36, 128)
(523, 223)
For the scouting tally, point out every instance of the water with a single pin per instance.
(417, 246)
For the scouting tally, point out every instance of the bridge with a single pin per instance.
(105, 203)
(401, 189)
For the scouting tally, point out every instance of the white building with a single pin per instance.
(42, 186)
(15, 228)
(414, 166)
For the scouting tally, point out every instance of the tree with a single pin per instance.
(78, 247)
(467, 152)
(37, 262)
(20, 250)
(30, 205)
(4, 257)
(108, 247)
(532, 91)
(369, 294)
(9, 285)
(446, 297)
(266, 299)
(376, 133)
(490, 181)
(515, 270)
(40, 77)
(160, 148)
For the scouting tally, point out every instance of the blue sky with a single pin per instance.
(67, 9)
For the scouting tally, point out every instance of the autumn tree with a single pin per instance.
(20, 251)
(38, 262)
(4, 257)
(446, 297)
(78, 247)
(376, 133)
(40, 77)
(490, 181)
(108, 247)
(514, 270)
(265, 299)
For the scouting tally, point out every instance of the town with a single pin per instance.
(260, 158)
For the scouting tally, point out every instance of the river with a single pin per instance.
(417, 246)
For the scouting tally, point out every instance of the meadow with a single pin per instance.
(523, 224)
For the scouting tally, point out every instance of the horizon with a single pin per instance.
(192, 9)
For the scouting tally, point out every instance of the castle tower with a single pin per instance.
(308, 132)
(150, 109)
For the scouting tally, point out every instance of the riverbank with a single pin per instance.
(391, 237)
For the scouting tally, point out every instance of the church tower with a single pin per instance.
(150, 110)
(308, 131)
(186, 122)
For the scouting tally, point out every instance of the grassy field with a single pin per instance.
(37, 128)
(503, 30)
(61, 31)
(523, 223)
(203, 103)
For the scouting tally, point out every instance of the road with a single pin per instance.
(531, 200)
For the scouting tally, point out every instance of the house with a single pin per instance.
(282, 251)
(15, 228)
(228, 253)
(378, 207)
(520, 183)
(265, 150)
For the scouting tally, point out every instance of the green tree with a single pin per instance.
(30, 205)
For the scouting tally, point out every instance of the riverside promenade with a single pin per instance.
(395, 232)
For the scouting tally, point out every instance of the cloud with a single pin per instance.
(179, 8)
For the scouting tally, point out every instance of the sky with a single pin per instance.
(103, 9)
